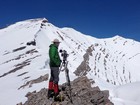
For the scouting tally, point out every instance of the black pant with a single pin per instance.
(54, 75)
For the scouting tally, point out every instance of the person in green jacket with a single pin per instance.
(55, 62)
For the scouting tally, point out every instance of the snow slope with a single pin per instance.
(127, 94)
(24, 57)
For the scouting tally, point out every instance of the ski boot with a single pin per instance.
(50, 93)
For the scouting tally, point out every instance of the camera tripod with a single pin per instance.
(65, 68)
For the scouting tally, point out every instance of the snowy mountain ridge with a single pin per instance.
(24, 57)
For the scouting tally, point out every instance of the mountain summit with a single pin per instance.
(24, 61)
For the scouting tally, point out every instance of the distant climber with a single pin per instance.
(55, 62)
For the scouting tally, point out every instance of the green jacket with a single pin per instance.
(54, 56)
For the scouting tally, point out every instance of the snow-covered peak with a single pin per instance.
(26, 24)
(117, 36)
(37, 19)
(24, 57)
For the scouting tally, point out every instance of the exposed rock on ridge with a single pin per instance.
(82, 94)
(84, 67)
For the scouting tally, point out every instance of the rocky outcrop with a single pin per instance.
(82, 94)
(34, 81)
(84, 66)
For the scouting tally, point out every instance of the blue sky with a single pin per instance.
(99, 18)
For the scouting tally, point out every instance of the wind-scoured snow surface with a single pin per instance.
(24, 58)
